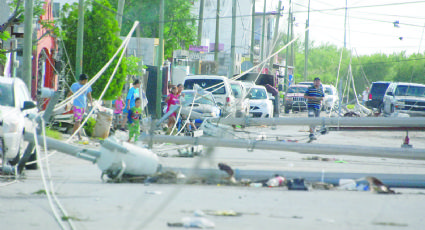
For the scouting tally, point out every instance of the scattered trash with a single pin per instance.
(365, 184)
(390, 224)
(322, 186)
(153, 192)
(198, 213)
(197, 222)
(377, 186)
(297, 184)
(256, 185)
(347, 184)
(316, 158)
(223, 213)
(226, 168)
(245, 181)
(276, 181)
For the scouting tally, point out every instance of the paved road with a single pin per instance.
(99, 205)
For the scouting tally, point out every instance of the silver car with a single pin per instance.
(407, 98)
(15, 105)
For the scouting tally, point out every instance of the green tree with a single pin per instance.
(100, 44)
(179, 26)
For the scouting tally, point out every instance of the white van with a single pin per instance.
(219, 86)
(242, 101)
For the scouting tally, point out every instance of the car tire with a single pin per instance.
(34, 165)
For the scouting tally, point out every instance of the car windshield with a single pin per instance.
(409, 90)
(201, 99)
(213, 85)
(6, 94)
(297, 89)
(328, 91)
(236, 90)
(379, 88)
(257, 94)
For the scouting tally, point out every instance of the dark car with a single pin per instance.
(294, 98)
(376, 95)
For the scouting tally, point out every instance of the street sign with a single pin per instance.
(198, 48)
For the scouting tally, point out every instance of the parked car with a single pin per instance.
(331, 97)
(241, 101)
(204, 105)
(307, 83)
(260, 102)
(220, 88)
(406, 98)
(15, 105)
(294, 98)
(376, 95)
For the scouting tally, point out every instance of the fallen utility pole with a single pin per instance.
(364, 151)
(333, 121)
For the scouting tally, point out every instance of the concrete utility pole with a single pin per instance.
(307, 24)
(217, 35)
(200, 24)
(345, 26)
(287, 48)
(120, 12)
(159, 60)
(80, 39)
(251, 56)
(233, 41)
(276, 31)
(27, 68)
(263, 32)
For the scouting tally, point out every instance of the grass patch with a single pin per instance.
(40, 192)
(66, 218)
(53, 134)
(350, 106)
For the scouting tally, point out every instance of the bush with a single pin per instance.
(89, 126)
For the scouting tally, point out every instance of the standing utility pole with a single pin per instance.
(307, 24)
(287, 48)
(120, 12)
(264, 28)
(232, 50)
(200, 24)
(217, 35)
(275, 32)
(80, 39)
(252, 32)
(27, 68)
(345, 26)
(159, 60)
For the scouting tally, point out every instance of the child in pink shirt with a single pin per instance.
(118, 117)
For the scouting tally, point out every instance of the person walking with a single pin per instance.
(314, 96)
(80, 102)
(172, 99)
(134, 117)
(119, 106)
(130, 100)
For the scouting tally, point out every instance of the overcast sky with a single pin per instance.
(370, 27)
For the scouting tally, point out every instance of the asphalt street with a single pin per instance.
(94, 204)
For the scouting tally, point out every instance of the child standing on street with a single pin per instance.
(134, 117)
(119, 106)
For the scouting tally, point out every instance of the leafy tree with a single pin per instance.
(179, 26)
(100, 44)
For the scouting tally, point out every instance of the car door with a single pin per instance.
(387, 100)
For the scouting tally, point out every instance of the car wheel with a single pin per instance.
(15, 160)
(32, 166)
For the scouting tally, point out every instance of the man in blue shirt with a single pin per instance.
(80, 102)
(314, 96)
(130, 100)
